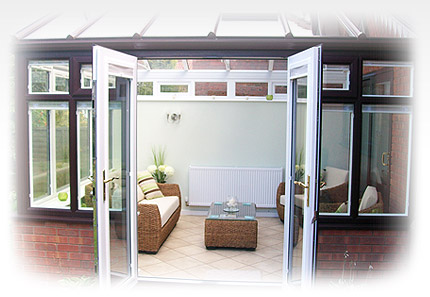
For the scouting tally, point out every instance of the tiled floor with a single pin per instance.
(184, 255)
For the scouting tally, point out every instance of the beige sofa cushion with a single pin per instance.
(166, 205)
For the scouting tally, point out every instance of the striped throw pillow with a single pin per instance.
(148, 185)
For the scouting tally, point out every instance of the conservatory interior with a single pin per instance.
(212, 102)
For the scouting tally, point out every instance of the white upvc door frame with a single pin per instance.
(103, 58)
(304, 64)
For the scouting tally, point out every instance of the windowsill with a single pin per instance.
(206, 99)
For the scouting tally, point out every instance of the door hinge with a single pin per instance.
(315, 218)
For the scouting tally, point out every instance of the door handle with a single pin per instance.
(385, 161)
(305, 186)
(106, 181)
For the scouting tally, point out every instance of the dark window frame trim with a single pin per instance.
(354, 221)
(76, 59)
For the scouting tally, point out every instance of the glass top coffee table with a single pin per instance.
(236, 228)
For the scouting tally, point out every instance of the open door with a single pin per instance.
(302, 170)
(114, 94)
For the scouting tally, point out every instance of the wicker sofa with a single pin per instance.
(151, 232)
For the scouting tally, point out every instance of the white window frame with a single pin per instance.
(46, 65)
(82, 182)
(48, 201)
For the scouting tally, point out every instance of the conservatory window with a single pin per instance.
(49, 154)
(385, 160)
(336, 77)
(336, 159)
(211, 88)
(252, 89)
(86, 145)
(87, 77)
(48, 77)
(387, 79)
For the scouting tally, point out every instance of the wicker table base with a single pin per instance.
(231, 233)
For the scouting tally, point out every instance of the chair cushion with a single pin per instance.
(370, 197)
(282, 200)
(166, 205)
(140, 195)
(148, 185)
(334, 176)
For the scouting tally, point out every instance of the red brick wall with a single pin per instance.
(54, 250)
(251, 89)
(211, 89)
(399, 163)
(384, 250)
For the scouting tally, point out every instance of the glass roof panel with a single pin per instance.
(117, 25)
(174, 25)
(380, 26)
(316, 25)
(264, 25)
(62, 26)
(207, 64)
(280, 65)
(166, 64)
(249, 64)
(301, 24)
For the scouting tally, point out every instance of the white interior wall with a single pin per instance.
(212, 133)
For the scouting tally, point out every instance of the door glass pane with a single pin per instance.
(49, 154)
(336, 158)
(300, 93)
(385, 160)
(118, 188)
(86, 163)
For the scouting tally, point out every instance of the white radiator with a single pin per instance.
(210, 184)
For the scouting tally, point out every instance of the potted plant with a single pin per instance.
(160, 171)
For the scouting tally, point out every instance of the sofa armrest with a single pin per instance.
(171, 190)
(279, 192)
(149, 217)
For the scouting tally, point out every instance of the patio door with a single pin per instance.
(301, 186)
(114, 94)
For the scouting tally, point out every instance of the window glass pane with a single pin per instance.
(174, 88)
(49, 77)
(387, 79)
(87, 77)
(40, 153)
(85, 128)
(385, 160)
(336, 158)
(336, 77)
(49, 154)
(251, 89)
(62, 148)
(145, 88)
(211, 89)
(280, 89)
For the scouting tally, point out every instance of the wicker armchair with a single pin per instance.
(279, 207)
(150, 233)
(281, 210)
